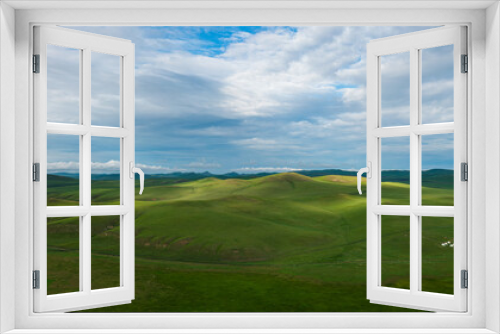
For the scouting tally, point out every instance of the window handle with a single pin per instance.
(139, 171)
(368, 171)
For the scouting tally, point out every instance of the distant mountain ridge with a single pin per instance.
(435, 178)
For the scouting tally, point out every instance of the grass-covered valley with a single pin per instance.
(271, 243)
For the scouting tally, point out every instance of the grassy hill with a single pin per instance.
(277, 243)
(441, 178)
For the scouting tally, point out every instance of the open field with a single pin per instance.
(276, 243)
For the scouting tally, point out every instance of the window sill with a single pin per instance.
(251, 331)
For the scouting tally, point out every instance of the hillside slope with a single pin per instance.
(205, 244)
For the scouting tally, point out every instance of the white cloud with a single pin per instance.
(257, 74)
(62, 166)
(203, 164)
(154, 169)
(254, 77)
(188, 64)
(354, 95)
(111, 166)
(213, 131)
(251, 170)
(438, 87)
(256, 143)
(280, 92)
(351, 124)
(261, 144)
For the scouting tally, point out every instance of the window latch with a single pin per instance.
(368, 171)
(133, 170)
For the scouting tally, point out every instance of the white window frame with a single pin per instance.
(413, 44)
(483, 212)
(86, 44)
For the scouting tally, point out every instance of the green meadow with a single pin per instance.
(277, 243)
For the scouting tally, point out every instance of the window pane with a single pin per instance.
(105, 89)
(63, 170)
(63, 85)
(437, 254)
(105, 171)
(396, 251)
(437, 169)
(63, 259)
(437, 84)
(395, 167)
(395, 89)
(105, 252)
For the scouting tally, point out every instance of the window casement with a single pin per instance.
(83, 131)
(413, 45)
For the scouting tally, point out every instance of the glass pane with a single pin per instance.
(396, 251)
(395, 89)
(395, 166)
(63, 170)
(105, 171)
(105, 89)
(437, 84)
(437, 254)
(63, 255)
(63, 85)
(437, 169)
(105, 252)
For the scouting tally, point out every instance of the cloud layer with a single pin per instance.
(239, 98)
(108, 167)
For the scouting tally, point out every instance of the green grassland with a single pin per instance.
(277, 243)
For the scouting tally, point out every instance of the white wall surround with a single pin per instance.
(247, 4)
(7, 166)
(484, 126)
(492, 160)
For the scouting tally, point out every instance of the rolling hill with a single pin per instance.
(276, 243)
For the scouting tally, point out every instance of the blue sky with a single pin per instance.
(252, 99)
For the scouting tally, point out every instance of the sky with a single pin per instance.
(249, 99)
